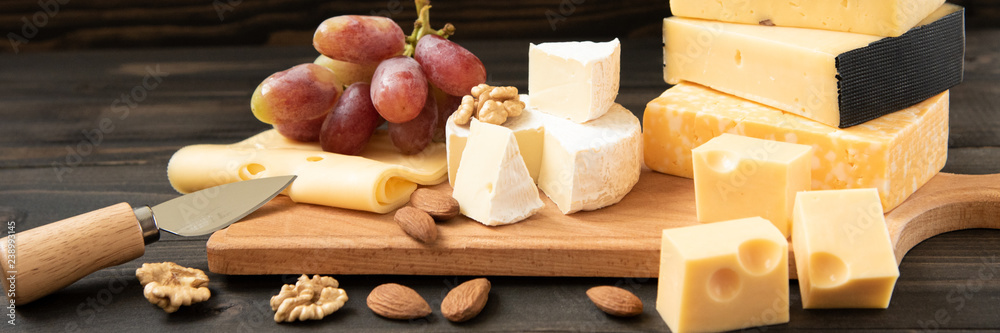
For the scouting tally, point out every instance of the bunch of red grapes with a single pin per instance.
(371, 57)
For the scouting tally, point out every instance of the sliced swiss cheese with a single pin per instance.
(574, 80)
(836, 78)
(889, 18)
(380, 180)
(895, 154)
(493, 186)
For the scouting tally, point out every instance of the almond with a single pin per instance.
(417, 224)
(396, 301)
(615, 301)
(440, 206)
(466, 301)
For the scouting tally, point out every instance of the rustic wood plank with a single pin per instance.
(84, 24)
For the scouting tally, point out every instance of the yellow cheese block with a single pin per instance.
(843, 255)
(737, 177)
(723, 276)
(889, 18)
(896, 153)
(380, 180)
(836, 78)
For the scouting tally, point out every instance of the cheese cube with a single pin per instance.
(574, 80)
(493, 185)
(737, 176)
(888, 18)
(836, 78)
(843, 255)
(723, 276)
(592, 165)
(528, 130)
(896, 153)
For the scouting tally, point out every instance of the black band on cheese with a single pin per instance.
(892, 74)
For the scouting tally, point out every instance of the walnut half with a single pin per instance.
(308, 299)
(489, 104)
(169, 285)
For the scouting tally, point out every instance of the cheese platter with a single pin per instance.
(622, 240)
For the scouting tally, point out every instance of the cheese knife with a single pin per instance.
(47, 258)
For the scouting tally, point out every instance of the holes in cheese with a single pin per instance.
(760, 256)
(826, 270)
(843, 253)
(380, 180)
(723, 276)
(724, 285)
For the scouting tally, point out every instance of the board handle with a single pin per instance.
(948, 202)
(53, 256)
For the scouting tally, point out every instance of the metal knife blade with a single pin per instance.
(211, 209)
(55, 255)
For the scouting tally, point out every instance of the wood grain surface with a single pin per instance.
(55, 255)
(621, 240)
(948, 283)
(86, 24)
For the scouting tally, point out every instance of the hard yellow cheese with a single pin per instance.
(737, 177)
(879, 17)
(843, 255)
(895, 154)
(723, 276)
(380, 180)
(493, 185)
(836, 78)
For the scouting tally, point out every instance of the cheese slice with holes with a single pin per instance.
(889, 18)
(493, 186)
(896, 153)
(380, 180)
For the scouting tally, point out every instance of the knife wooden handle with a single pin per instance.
(55, 255)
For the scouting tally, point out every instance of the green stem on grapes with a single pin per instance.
(422, 27)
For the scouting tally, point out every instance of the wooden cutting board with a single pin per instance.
(619, 241)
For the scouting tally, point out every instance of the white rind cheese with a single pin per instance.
(579, 166)
(574, 80)
(592, 165)
(493, 185)
(528, 130)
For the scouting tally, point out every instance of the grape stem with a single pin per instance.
(422, 27)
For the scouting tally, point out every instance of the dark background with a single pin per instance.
(95, 24)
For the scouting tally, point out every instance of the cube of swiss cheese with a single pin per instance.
(843, 255)
(737, 177)
(723, 276)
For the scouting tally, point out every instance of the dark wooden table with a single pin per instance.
(56, 161)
